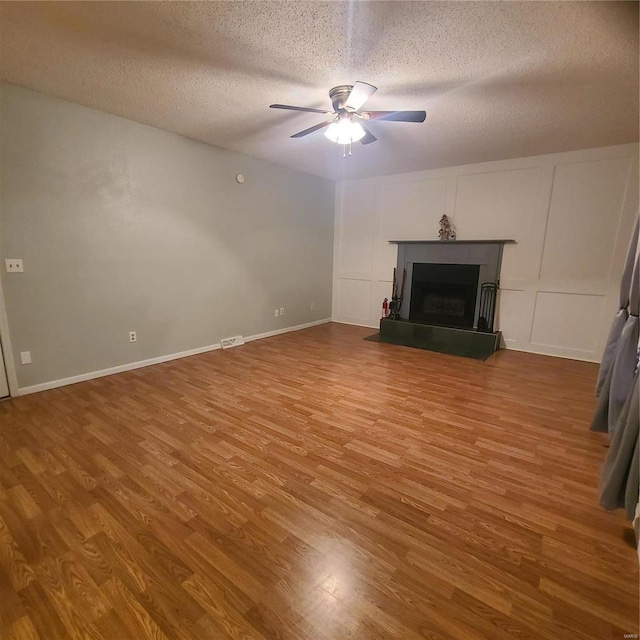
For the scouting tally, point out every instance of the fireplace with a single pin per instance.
(450, 298)
(442, 275)
(444, 294)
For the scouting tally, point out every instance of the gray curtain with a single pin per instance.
(626, 360)
(619, 359)
(622, 315)
(618, 406)
(620, 479)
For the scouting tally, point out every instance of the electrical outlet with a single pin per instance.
(14, 265)
(281, 311)
(133, 336)
(25, 357)
(313, 306)
(277, 312)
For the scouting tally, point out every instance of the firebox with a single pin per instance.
(444, 294)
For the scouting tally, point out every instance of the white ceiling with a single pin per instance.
(497, 79)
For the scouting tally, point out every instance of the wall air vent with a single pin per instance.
(227, 343)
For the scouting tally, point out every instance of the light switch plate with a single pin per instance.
(14, 265)
(25, 357)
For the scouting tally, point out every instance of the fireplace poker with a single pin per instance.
(398, 298)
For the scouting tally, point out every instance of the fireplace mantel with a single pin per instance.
(452, 242)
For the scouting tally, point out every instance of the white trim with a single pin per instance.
(355, 323)
(91, 375)
(7, 351)
(564, 356)
(277, 332)
(578, 156)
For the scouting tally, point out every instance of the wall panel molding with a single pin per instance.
(571, 214)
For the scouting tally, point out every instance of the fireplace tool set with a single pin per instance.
(396, 300)
(488, 293)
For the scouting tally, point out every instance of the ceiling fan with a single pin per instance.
(344, 122)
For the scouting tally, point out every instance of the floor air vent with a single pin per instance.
(227, 343)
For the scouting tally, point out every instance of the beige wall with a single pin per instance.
(125, 227)
(570, 213)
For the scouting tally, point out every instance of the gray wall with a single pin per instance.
(125, 227)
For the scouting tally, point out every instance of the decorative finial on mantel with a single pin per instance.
(446, 230)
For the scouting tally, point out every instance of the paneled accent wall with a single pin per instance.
(570, 213)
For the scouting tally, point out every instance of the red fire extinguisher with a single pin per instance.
(385, 308)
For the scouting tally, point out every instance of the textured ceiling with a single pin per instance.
(497, 79)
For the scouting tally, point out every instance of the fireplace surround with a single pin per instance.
(440, 308)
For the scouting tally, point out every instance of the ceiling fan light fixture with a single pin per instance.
(345, 131)
(343, 125)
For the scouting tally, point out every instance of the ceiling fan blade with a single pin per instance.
(360, 93)
(368, 138)
(290, 108)
(398, 116)
(306, 132)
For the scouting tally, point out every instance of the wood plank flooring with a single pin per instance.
(313, 486)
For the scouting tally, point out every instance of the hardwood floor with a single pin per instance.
(313, 486)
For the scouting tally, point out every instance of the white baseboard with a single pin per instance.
(278, 332)
(92, 375)
(355, 323)
(539, 352)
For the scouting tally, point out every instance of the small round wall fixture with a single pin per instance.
(239, 178)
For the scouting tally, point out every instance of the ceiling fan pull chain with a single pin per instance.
(344, 150)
